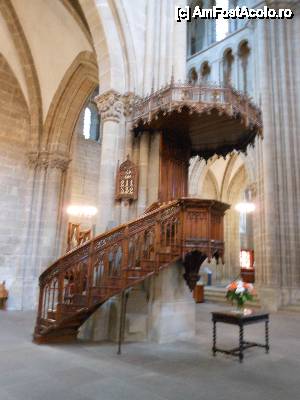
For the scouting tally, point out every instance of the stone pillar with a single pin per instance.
(160, 309)
(171, 308)
(279, 276)
(110, 108)
(44, 227)
(179, 47)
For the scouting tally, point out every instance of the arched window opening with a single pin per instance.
(222, 25)
(192, 76)
(87, 123)
(244, 52)
(196, 32)
(233, 22)
(91, 119)
(205, 71)
(227, 67)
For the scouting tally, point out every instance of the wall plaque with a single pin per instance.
(127, 181)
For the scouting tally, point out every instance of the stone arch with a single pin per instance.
(244, 53)
(237, 183)
(197, 174)
(205, 70)
(133, 73)
(105, 28)
(79, 81)
(210, 188)
(227, 175)
(231, 224)
(193, 76)
(228, 60)
(31, 77)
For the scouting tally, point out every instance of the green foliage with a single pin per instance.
(239, 298)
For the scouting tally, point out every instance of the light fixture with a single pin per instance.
(82, 211)
(245, 207)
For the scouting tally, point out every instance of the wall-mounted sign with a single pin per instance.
(127, 181)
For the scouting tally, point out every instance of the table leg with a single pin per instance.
(267, 336)
(241, 347)
(214, 338)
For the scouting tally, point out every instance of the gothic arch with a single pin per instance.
(79, 81)
(211, 180)
(205, 70)
(192, 76)
(105, 28)
(133, 73)
(244, 53)
(197, 174)
(227, 175)
(26, 60)
(228, 59)
(237, 183)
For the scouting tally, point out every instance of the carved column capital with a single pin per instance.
(45, 159)
(110, 105)
(129, 99)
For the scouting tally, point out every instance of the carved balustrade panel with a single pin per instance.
(50, 299)
(173, 95)
(98, 270)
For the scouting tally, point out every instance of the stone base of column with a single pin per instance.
(172, 309)
(290, 296)
(96, 327)
(271, 299)
(161, 309)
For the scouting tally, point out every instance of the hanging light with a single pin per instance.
(245, 207)
(82, 211)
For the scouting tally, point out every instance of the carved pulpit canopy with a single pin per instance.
(127, 181)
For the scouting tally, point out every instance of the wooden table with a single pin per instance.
(241, 320)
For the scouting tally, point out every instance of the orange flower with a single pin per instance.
(232, 286)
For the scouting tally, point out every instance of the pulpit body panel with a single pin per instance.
(174, 166)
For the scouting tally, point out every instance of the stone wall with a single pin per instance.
(14, 172)
(83, 174)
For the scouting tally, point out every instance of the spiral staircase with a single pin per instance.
(78, 283)
(203, 120)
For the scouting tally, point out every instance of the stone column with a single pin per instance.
(171, 307)
(280, 150)
(110, 108)
(44, 228)
(179, 47)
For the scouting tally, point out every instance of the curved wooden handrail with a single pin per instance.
(81, 280)
(103, 236)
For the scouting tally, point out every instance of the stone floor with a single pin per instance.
(184, 370)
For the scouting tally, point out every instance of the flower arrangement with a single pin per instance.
(239, 292)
